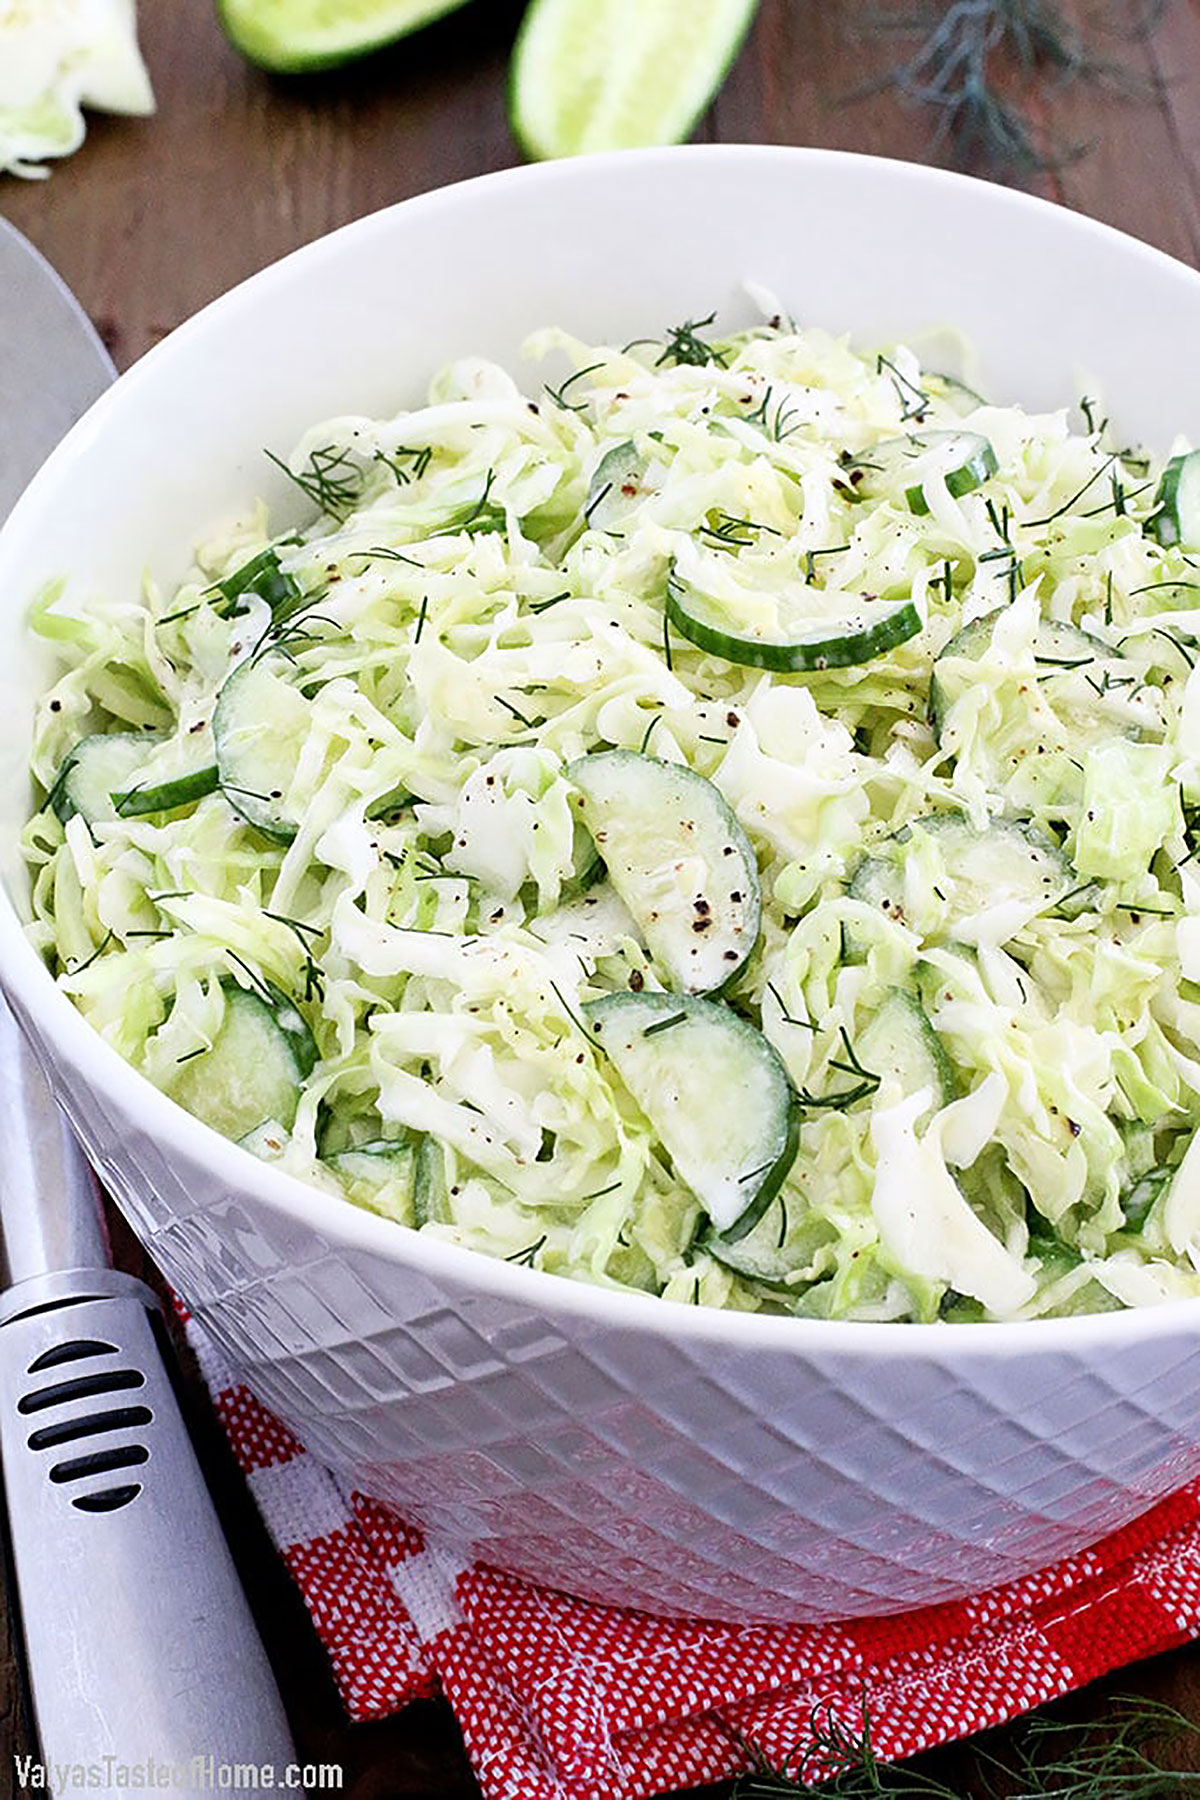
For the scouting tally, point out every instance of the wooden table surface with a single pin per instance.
(152, 218)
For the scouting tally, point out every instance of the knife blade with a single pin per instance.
(52, 362)
(140, 1649)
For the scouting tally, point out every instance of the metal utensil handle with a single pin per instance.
(141, 1646)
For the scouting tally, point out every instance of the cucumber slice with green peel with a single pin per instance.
(1176, 518)
(618, 470)
(259, 726)
(377, 1161)
(94, 769)
(604, 75)
(715, 1093)
(679, 860)
(262, 577)
(1008, 863)
(778, 1251)
(431, 1195)
(292, 36)
(259, 1060)
(100, 779)
(166, 796)
(380, 1175)
(900, 1043)
(963, 459)
(1065, 656)
(818, 630)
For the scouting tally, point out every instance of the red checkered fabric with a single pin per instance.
(561, 1699)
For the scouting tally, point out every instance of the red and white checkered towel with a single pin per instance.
(560, 1699)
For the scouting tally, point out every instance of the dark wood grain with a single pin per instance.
(152, 218)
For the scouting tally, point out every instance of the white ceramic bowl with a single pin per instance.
(610, 1443)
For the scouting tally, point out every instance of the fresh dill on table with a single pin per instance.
(975, 65)
(1123, 1757)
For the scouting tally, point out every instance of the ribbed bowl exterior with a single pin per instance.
(638, 1466)
(616, 1446)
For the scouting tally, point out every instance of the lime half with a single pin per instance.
(293, 35)
(619, 74)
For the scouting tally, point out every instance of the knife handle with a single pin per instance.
(140, 1644)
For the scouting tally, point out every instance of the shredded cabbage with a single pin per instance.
(478, 600)
(57, 57)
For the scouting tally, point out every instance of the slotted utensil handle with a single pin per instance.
(140, 1643)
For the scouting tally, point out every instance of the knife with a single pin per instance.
(143, 1661)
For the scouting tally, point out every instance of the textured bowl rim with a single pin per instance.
(87, 1057)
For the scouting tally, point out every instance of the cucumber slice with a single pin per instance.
(1066, 657)
(165, 796)
(1008, 863)
(715, 1092)
(602, 75)
(964, 460)
(431, 1195)
(380, 1175)
(95, 769)
(618, 469)
(801, 637)
(259, 726)
(263, 577)
(99, 778)
(254, 1071)
(900, 1042)
(290, 36)
(679, 860)
(1176, 518)
(777, 1251)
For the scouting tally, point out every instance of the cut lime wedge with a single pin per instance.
(619, 74)
(291, 36)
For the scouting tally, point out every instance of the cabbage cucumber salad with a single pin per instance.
(724, 826)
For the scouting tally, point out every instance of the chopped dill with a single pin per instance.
(257, 982)
(330, 479)
(685, 345)
(914, 401)
(778, 424)
(101, 947)
(401, 455)
(810, 558)
(731, 533)
(804, 1024)
(529, 724)
(663, 1024)
(527, 1256)
(645, 743)
(559, 394)
(380, 553)
(595, 501)
(1067, 505)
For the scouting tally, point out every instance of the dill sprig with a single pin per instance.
(330, 479)
(778, 421)
(559, 394)
(528, 1256)
(685, 345)
(727, 532)
(970, 54)
(406, 465)
(1120, 1758)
